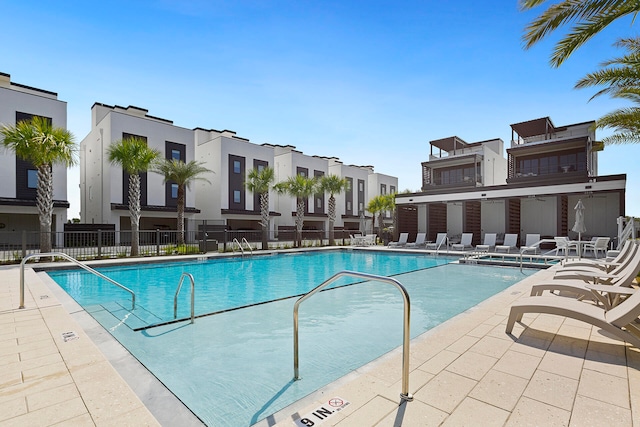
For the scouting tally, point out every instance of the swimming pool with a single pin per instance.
(235, 368)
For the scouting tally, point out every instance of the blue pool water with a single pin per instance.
(236, 367)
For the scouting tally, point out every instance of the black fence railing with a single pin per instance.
(103, 244)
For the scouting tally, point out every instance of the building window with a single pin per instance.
(236, 166)
(261, 168)
(32, 178)
(360, 207)
(319, 203)
(348, 206)
(392, 189)
(383, 188)
(236, 196)
(302, 173)
(360, 185)
(175, 154)
(174, 191)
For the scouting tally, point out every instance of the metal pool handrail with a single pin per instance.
(236, 242)
(244, 240)
(78, 263)
(404, 395)
(175, 298)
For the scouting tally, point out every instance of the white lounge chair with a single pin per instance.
(420, 241)
(489, 242)
(441, 241)
(603, 265)
(465, 242)
(577, 282)
(531, 244)
(510, 242)
(356, 239)
(402, 240)
(619, 321)
(597, 245)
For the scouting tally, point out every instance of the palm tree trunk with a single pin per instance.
(134, 212)
(332, 219)
(44, 201)
(299, 222)
(264, 212)
(180, 215)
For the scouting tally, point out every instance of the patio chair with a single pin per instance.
(441, 240)
(356, 239)
(420, 241)
(465, 242)
(562, 245)
(369, 240)
(489, 242)
(597, 245)
(402, 241)
(510, 242)
(530, 244)
(619, 320)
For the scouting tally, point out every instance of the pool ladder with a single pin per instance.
(236, 242)
(175, 298)
(81, 265)
(404, 395)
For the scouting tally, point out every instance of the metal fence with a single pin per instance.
(99, 244)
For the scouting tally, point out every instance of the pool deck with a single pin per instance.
(467, 371)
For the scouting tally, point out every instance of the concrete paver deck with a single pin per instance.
(467, 371)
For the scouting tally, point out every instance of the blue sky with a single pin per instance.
(369, 82)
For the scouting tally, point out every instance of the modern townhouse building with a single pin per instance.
(225, 199)
(221, 202)
(534, 190)
(290, 162)
(18, 178)
(382, 184)
(104, 186)
(352, 203)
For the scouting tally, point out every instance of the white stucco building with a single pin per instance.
(222, 200)
(18, 178)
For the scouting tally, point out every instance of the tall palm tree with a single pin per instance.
(134, 156)
(300, 187)
(621, 78)
(390, 206)
(259, 182)
(183, 174)
(42, 144)
(589, 17)
(333, 185)
(377, 205)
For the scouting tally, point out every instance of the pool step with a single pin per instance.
(140, 317)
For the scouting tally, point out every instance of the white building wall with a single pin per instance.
(454, 219)
(101, 178)
(539, 215)
(32, 101)
(493, 216)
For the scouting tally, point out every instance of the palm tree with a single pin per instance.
(259, 182)
(390, 206)
(300, 187)
(589, 17)
(39, 142)
(621, 76)
(377, 205)
(182, 174)
(332, 184)
(133, 155)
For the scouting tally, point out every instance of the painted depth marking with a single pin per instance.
(321, 413)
